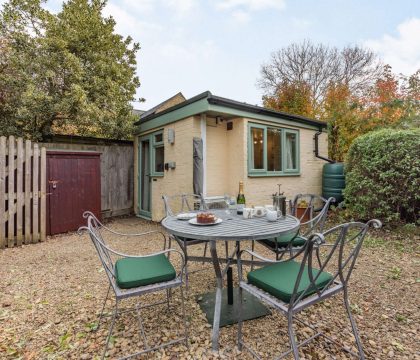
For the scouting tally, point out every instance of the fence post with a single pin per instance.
(19, 192)
(28, 167)
(2, 192)
(43, 190)
(35, 196)
(11, 193)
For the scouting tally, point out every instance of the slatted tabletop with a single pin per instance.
(233, 227)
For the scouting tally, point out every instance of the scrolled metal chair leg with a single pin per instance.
(142, 332)
(110, 329)
(184, 317)
(353, 326)
(292, 336)
(103, 308)
(240, 319)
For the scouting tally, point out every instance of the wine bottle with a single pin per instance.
(241, 199)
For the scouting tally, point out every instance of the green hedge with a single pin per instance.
(383, 176)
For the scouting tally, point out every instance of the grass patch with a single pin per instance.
(395, 273)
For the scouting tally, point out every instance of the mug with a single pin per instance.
(273, 215)
(259, 211)
(247, 213)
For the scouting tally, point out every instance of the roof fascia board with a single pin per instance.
(272, 119)
(191, 109)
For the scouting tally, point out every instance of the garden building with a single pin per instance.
(209, 143)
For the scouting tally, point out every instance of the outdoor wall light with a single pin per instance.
(171, 136)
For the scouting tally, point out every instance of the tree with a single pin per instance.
(410, 89)
(65, 73)
(318, 66)
(294, 98)
(384, 102)
(349, 88)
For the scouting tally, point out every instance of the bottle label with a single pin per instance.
(240, 207)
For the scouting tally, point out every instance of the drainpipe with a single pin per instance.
(204, 138)
(316, 151)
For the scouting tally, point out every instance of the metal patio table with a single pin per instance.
(234, 228)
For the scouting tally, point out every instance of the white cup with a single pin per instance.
(269, 207)
(247, 213)
(273, 215)
(259, 211)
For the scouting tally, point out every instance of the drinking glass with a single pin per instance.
(227, 201)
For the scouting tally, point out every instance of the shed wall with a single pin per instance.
(226, 158)
(179, 180)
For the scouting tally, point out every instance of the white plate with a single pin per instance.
(194, 222)
(186, 216)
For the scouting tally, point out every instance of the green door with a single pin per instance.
(145, 178)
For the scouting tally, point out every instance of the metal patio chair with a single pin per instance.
(312, 220)
(133, 276)
(292, 285)
(179, 203)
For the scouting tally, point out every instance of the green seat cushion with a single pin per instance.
(279, 279)
(284, 240)
(135, 272)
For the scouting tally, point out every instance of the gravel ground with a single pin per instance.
(51, 294)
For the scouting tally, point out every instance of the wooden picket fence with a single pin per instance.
(22, 192)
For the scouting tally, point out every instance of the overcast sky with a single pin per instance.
(219, 45)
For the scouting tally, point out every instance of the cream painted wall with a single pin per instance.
(178, 180)
(218, 154)
(227, 164)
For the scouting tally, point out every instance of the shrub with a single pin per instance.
(383, 176)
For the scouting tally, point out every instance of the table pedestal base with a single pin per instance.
(252, 307)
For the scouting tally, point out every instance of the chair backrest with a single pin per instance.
(216, 202)
(342, 245)
(179, 203)
(94, 227)
(312, 214)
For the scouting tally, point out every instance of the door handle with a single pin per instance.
(54, 183)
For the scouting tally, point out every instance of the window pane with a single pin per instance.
(273, 149)
(159, 158)
(158, 138)
(291, 151)
(258, 147)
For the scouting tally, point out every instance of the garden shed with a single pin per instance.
(230, 141)
(87, 173)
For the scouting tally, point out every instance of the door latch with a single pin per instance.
(54, 183)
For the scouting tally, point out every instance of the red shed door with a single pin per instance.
(74, 186)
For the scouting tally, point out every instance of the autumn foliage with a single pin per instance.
(315, 81)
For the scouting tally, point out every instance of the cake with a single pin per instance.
(206, 218)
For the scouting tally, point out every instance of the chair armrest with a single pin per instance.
(258, 256)
(86, 214)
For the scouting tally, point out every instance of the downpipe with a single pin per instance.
(316, 150)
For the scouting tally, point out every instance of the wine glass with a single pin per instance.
(227, 201)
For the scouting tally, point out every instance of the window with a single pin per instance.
(158, 154)
(159, 159)
(258, 148)
(291, 150)
(272, 151)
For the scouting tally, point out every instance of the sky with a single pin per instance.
(219, 45)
